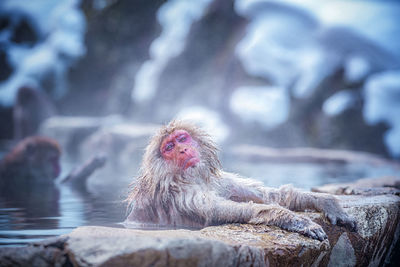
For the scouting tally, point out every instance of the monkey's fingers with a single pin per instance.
(332, 218)
(348, 222)
(316, 233)
(342, 219)
(308, 228)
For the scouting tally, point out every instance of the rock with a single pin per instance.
(366, 186)
(209, 51)
(112, 140)
(32, 107)
(123, 145)
(230, 245)
(311, 155)
(83, 138)
(6, 68)
(118, 38)
(78, 176)
(35, 255)
(70, 131)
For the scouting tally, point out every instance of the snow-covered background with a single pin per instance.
(296, 44)
(252, 65)
(60, 29)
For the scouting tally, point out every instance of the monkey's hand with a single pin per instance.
(329, 205)
(306, 227)
(288, 220)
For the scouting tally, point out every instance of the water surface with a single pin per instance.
(47, 211)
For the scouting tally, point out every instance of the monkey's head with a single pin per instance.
(38, 156)
(180, 148)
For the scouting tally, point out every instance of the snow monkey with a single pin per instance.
(34, 158)
(181, 183)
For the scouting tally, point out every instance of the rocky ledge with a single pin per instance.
(365, 186)
(375, 244)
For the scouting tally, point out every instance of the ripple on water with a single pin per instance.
(55, 211)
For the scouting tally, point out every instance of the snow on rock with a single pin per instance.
(298, 44)
(339, 102)
(278, 42)
(208, 119)
(268, 106)
(319, 66)
(61, 26)
(301, 43)
(176, 18)
(376, 20)
(382, 104)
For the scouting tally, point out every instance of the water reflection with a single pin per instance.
(28, 213)
(41, 211)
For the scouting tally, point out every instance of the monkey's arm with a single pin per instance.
(297, 200)
(244, 190)
(227, 211)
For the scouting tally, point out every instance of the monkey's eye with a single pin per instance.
(181, 138)
(169, 146)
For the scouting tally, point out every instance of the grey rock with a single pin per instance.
(342, 253)
(308, 155)
(35, 255)
(365, 186)
(123, 145)
(70, 131)
(120, 141)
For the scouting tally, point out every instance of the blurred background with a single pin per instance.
(259, 73)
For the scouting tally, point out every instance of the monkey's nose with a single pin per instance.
(183, 150)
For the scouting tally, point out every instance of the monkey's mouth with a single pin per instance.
(190, 162)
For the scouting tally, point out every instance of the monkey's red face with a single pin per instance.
(181, 149)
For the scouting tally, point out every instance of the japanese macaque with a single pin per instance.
(181, 183)
(33, 159)
(32, 107)
(27, 175)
